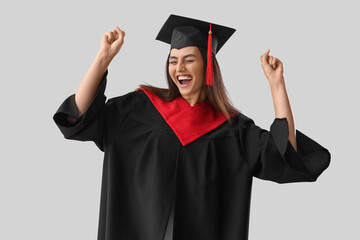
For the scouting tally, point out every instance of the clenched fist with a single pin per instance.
(111, 42)
(273, 68)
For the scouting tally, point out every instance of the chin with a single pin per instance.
(184, 91)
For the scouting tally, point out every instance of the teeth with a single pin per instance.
(184, 78)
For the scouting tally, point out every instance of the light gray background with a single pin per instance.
(50, 187)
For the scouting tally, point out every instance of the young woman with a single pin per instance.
(179, 162)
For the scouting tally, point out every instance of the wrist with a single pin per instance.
(277, 84)
(103, 58)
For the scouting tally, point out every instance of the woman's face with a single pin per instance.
(186, 68)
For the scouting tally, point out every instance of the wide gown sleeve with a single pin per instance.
(90, 126)
(272, 157)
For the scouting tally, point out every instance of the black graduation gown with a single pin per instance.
(148, 172)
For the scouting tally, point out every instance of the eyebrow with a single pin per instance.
(189, 55)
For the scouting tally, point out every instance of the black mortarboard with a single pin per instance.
(181, 32)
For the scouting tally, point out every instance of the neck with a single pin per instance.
(195, 99)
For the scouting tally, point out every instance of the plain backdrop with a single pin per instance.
(50, 186)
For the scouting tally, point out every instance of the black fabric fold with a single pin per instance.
(272, 156)
(69, 108)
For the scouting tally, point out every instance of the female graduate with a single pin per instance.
(179, 162)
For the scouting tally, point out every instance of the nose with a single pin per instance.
(180, 66)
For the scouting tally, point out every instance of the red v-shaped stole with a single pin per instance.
(188, 123)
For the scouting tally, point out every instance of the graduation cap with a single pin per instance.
(181, 32)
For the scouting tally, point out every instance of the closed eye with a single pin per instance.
(188, 61)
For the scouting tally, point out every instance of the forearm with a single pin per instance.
(87, 89)
(283, 109)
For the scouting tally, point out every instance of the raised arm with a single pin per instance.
(273, 69)
(111, 43)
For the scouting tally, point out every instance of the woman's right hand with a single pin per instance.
(111, 42)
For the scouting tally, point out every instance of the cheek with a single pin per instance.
(200, 74)
(171, 69)
(171, 73)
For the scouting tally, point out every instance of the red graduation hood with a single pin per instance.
(188, 122)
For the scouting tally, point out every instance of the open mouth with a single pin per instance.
(184, 80)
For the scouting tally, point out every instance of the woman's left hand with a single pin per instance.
(273, 69)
